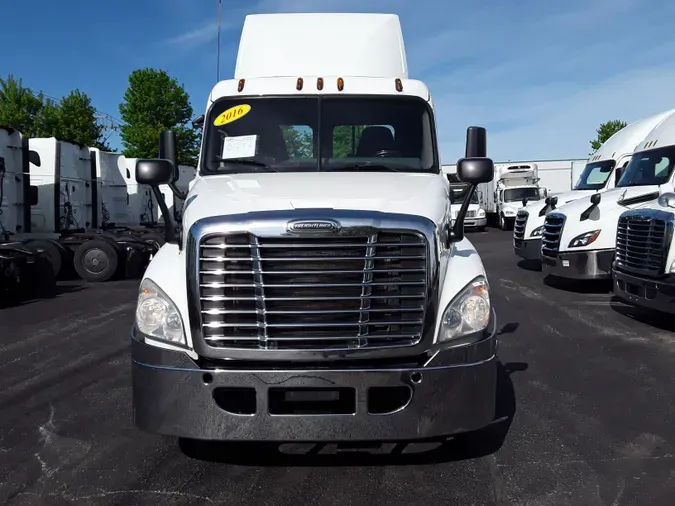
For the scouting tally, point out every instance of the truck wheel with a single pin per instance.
(42, 278)
(54, 251)
(96, 260)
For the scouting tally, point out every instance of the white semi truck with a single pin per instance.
(321, 294)
(579, 238)
(511, 185)
(601, 173)
(644, 263)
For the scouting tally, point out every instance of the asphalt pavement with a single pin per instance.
(587, 395)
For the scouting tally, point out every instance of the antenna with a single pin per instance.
(218, 57)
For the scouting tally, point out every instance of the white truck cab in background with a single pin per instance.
(476, 217)
(579, 238)
(322, 292)
(644, 264)
(512, 184)
(601, 173)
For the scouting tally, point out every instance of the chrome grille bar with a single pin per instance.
(329, 292)
(642, 240)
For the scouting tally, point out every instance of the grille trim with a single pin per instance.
(270, 226)
(520, 225)
(552, 234)
(643, 237)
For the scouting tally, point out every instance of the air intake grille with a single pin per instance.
(313, 293)
(553, 229)
(641, 245)
(519, 226)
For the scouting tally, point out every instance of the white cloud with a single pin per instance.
(196, 36)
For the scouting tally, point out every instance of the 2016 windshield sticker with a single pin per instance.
(232, 114)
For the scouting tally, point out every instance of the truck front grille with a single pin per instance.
(519, 225)
(550, 238)
(471, 214)
(641, 244)
(313, 293)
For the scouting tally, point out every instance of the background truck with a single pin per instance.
(601, 173)
(321, 293)
(476, 218)
(644, 261)
(502, 196)
(25, 270)
(579, 238)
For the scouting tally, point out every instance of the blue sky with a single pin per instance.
(541, 76)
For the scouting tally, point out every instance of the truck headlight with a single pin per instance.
(509, 212)
(537, 231)
(481, 213)
(157, 316)
(468, 312)
(584, 239)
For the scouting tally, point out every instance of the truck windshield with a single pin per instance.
(303, 134)
(518, 194)
(595, 175)
(652, 167)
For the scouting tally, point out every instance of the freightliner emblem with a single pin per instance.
(308, 226)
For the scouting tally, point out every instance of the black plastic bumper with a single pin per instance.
(593, 264)
(645, 292)
(453, 393)
(529, 249)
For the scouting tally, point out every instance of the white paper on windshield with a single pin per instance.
(242, 146)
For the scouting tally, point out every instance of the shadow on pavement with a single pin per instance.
(662, 321)
(530, 265)
(461, 447)
(579, 286)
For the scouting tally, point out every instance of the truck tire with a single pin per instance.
(96, 260)
(55, 253)
(42, 278)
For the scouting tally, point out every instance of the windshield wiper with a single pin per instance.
(246, 161)
(365, 165)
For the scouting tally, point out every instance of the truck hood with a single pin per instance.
(604, 217)
(563, 198)
(609, 202)
(407, 193)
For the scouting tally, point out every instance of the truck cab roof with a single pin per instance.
(629, 138)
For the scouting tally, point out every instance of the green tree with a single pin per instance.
(19, 107)
(73, 119)
(153, 102)
(76, 121)
(605, 131)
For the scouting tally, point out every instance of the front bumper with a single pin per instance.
(475, 222)
(453, 392)
(529, 249)
(593, 264)
(645, 292)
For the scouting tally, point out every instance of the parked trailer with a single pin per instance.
(55, 201)
(25, 270)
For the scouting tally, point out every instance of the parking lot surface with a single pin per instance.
(587, 400)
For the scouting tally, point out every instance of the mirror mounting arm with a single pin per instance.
(456, 233)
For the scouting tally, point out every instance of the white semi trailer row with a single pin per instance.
(72, 205)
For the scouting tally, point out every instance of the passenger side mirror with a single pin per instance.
(154, 172)
(168, 151)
